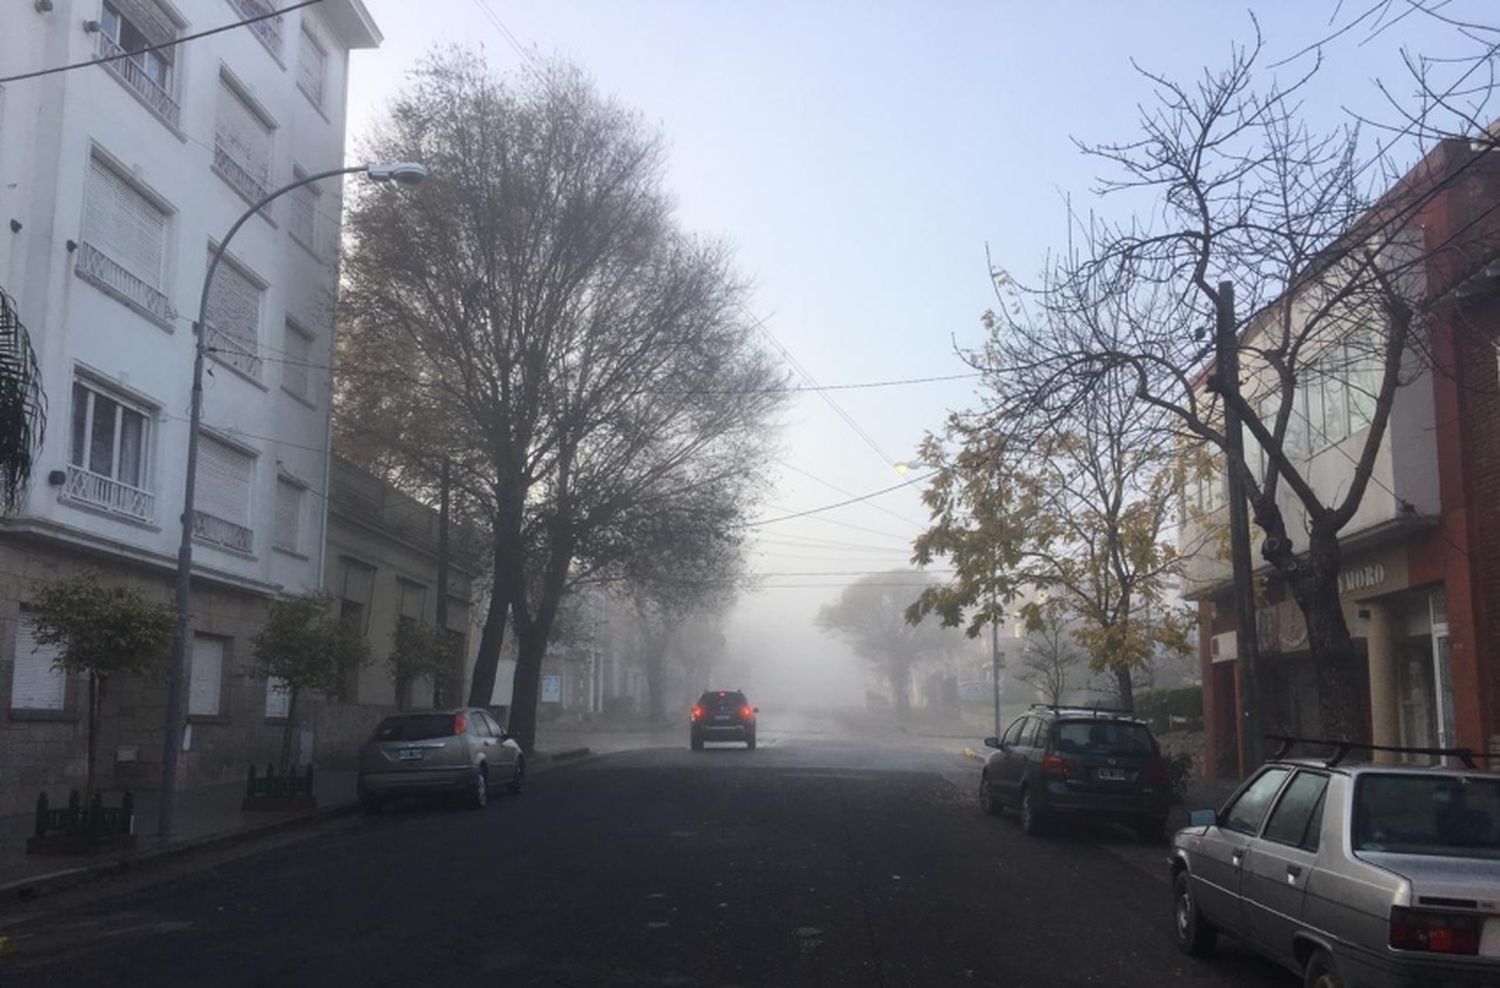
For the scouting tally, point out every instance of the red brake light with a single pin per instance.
(697, 712)
(1437, 933)
(460, 723)
(1058, 765)
(745, 712)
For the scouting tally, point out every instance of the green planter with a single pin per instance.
(79, 829)
(275, 793)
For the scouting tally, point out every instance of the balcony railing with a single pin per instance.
(93, 265)
(246, 184)
(100, 491)
(216, 531)
(129, 71)
(241, 354)
(269, 30)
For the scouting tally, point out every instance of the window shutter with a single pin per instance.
(150, 21)
(278, 698)
(288, 533)
(207, 675)
(234, 306)
(311, 66)
(304, 216)
(359, 581)
(294, 373)
(223, 481)
(123, 224)
(242, 133)
(35, 685)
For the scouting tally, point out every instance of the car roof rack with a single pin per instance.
(1341, 749)
(1074, 708)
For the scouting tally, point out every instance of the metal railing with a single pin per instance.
(269, 31)
(236, 351)
(246, 184)
(216, 531)
(112, 495)
(130, 72)
(95, 266)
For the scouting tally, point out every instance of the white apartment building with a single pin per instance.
(115, 181)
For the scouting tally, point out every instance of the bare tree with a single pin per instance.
(533, 313)
(1050, 658)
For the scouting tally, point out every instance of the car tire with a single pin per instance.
(750, 741)
(1152, 831)
(1033, 824)
(697, 743)
(987, 801)
(1320, 972)
(518, 781)
(479, 790)
(370, 803)
(1196, 936)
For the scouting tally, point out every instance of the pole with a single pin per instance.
(176, 668)
(444, 490)
(995, 658)
(1245, 644)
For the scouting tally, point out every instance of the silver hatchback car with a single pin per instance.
(1350, 875)
(462, 752)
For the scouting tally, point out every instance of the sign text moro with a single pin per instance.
(1359, 578)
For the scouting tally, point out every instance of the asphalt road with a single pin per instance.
(808, 862)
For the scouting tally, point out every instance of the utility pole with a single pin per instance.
(444, 494)
(1226, 344)
(995, 658)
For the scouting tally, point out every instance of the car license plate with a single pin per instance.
(1112, 774)
(722, 718)
(411, 754)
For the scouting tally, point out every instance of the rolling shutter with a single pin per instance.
(234, 306)
(35, 685)
(278, 698)
(223, 484)
(123, 224)
(243, 134)
(288, 532)
(207, 676)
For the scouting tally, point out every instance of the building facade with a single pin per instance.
(115, 182)
(1420, 574)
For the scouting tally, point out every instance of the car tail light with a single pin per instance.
(697, 712)
(460, 723)
(1156, 772)
(745, 712)
(1437, 933)
(1058, 765)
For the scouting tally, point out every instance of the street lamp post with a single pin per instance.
(404, 173)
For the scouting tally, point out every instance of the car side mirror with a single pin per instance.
(1203, 818)
(993, 743)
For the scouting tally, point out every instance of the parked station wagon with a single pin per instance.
(1350, 874)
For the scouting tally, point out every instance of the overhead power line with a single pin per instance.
(841, 504)
(165, 44)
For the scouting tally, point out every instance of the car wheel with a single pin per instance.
(518, 781)
(1152, 831)
(987, 800)
(697, 743)
(1032, 822)
(1320, 972)
(479, 790)
(1196, 936)
(750, 741)
(370, 803)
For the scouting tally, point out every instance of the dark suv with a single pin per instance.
(723, 715)
(1078, 762)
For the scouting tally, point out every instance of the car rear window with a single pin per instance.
(417, 727)
(725, 699)
(1104, 737)
(1452, 815)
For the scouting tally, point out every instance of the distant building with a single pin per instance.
(116, 181)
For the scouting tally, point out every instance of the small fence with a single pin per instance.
(272, 786)
(94, 821)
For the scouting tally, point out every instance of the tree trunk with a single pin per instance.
(92, 779)
(288, 727)
(525, 689)
(487, 661)
(1125, 687)
(901, 688)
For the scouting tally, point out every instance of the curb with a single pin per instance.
(566, 754)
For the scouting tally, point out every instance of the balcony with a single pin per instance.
(94, 266)
(238, 352)
(216, 531)
(269, 31)
(108, 494)
(253, 189)
(130, 73)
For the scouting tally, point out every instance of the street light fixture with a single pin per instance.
(402, 173)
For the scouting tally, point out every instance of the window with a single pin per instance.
(124, 241)
(108, 454)
(415, 727)
(359, 584)
(34, 683)
(1446, 815)
(1104, 737)
(1336, 393)
(1247, 812)
(128, 26)
(234, 319)
(296, 366)
(312, 66)
(242, 144)
(302, 222)
(1013, 733)
(1299, 813)
(206, 677)
(288, 531)
(278, 699)
(413, 599)
(222, 494)
(268, 31)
